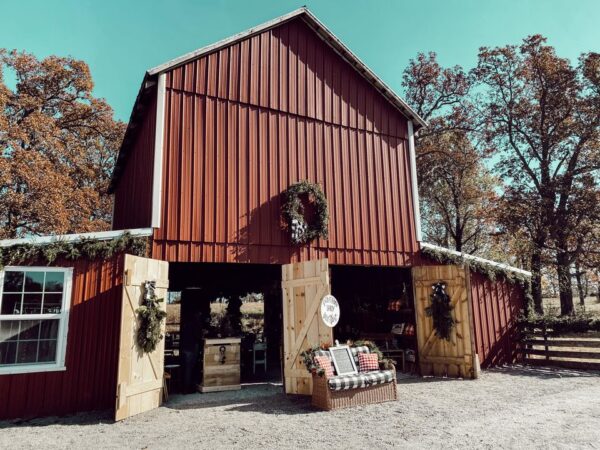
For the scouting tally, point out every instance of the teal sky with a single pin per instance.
(121, 39)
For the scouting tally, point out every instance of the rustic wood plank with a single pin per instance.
(581, 365)
(589, 343)
(562, 353)
(303, 286)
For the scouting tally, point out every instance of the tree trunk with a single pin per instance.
(580, 288)
(563, 270)
(536, 280)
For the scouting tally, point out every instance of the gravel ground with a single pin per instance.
(512, 407)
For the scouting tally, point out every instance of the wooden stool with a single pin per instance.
(166, 376)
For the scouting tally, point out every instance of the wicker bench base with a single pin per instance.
(325, 398)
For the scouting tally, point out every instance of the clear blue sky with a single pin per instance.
(120, 39)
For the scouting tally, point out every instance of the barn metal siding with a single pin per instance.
(89, 381)
(133, 193)
(245, 122)
(496, 306)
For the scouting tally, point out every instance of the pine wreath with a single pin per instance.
(151, 316)
(441, 311)
(292, 210)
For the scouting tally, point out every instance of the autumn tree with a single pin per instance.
(542, 116)
(57, 147)
(459, 195)
(454, 185)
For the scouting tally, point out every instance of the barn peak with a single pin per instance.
(325, 34)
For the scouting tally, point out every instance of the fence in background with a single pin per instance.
(539, 347)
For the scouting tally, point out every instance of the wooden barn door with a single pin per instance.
(303, 285)
(140, 375)
(454, 358)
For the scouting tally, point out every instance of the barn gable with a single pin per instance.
(245, 119)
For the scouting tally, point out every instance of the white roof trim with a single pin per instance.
(100, 236)
(476, 258)
(325, 34)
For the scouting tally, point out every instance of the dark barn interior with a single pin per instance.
(377, 305)
(209, 292)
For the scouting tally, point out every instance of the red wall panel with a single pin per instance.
(244, 123)
(496, 306)
(89, 381)
(133, 192)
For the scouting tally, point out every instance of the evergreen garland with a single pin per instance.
(490, 271)
(150, 319)
(293, 212)
(441, 311)
(20, 254)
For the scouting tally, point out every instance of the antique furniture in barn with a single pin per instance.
(221, 365)
(343, 391)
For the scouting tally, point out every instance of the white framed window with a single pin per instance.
(34, 318)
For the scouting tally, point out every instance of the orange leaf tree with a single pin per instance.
(58, 145)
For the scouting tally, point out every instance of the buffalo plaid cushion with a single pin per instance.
(357, 351)
(368, 362)
(344, 382)
(325, 363)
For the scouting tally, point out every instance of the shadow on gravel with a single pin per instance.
(262, 398)
(87, 418)
(543, 372)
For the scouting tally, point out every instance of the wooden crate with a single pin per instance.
(221, 365)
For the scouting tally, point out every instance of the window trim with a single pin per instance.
(63, 316)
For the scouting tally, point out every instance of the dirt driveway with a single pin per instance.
(508, 408)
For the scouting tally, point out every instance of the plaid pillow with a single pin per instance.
(325, 363)
(368, 362)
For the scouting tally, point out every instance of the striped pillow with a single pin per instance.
(325, 363)
(368, 362)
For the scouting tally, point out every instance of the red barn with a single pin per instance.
(215, 140)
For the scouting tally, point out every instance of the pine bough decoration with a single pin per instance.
(150, 319)
(441, 311)
(87, 248)
(301, 231)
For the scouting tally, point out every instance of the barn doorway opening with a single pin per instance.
(377, 304)
(237, 305)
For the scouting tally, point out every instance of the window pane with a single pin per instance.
(32, 304)
(9, 330)
(49, 329)
(11, 304)
(8, 353)
(13, 281)
(52, 303)
(27, 352)
(54, 281)
(34, 281)
(47, 351)
(30, 329)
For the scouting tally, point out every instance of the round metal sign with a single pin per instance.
(330, 310)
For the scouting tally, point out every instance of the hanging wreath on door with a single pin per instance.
(151, 316)
(293, 212)
(441, 311)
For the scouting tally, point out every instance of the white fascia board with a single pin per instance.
(99, 235)
(488, 262)
(157, 190)
(415, 184)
